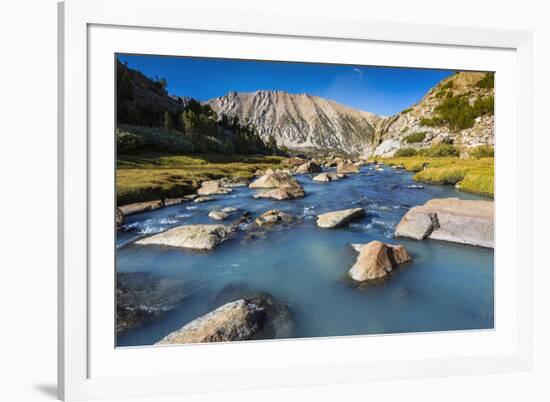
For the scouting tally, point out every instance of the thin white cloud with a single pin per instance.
(359, 72)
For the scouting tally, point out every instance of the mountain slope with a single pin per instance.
(301, 121)
(459, 110)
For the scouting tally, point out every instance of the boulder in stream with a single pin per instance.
(273, 179)
(194, 237)
(376, 260)
(204, 199)
(327, 177)
(308, 167)
(240, 320)
(451, 219)
(335, 219)
(273, 216)
(346, 168)
(218, 215)
(211, 187)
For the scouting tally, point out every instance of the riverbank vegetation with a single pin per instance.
(474, 175)
(151, 176)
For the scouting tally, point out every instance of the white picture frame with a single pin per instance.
(90, 31)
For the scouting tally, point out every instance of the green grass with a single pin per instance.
(483, 151)
(415, 137)
(435, 151)
(155, 176)
(405, 111)
(471, 175)
(404, 152)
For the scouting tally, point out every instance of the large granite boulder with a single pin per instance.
(142, 297)
(257, 317)
(285, 192)
(308, 167)
(271, 179)
(346, 168)
(376, 260)
(451, 219)
(284, 186)
(334, 219)
(194, 237)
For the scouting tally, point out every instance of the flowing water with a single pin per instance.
(446, 286)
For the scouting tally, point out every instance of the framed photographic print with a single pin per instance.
(262, 201)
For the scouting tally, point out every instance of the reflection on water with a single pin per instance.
(446, 287)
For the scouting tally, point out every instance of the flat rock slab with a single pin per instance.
(451, 219)
(211, 187)
(138, 207)
(204, 199)
(376, 260)
(194, 237)
(338, 218)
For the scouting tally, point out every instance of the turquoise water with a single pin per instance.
(446, 287)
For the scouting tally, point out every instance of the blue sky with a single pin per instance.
(380, 90)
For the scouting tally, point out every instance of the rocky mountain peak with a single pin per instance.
(301, 121)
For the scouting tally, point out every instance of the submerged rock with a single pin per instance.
(376, 260)
(218, 215)
(211, 187)
(142, 297)
(222, 214)
(334, 219)
(451, 219)
(204, 199)
(194, 237)
(240, 320)
(308, 167)
(229, 210)
(273, 216)
(175, 201)
(346, 168)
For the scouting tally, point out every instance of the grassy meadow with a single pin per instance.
(472, 175)
(153, 176)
